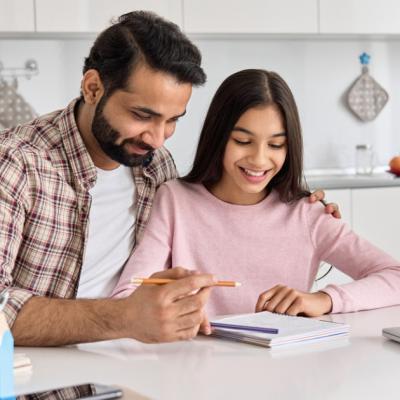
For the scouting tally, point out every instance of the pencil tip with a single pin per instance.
(238, 284)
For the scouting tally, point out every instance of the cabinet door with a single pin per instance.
(376, 217)
(96, 15)
(17, 16)
(341, 197)
(360, 16)
(251, 16)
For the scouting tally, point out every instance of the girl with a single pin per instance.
(241, 213)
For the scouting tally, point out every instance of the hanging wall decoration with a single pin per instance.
(14, 109)
(366, 97)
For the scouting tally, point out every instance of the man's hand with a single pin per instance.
(330, 208)
(284, 300)
(165, 313)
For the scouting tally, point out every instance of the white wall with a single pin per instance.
(319, 71)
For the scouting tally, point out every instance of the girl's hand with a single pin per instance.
(330, 208)
(285, 300)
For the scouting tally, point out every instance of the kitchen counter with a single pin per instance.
(351, 181)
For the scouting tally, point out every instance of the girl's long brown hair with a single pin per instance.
(237, 94)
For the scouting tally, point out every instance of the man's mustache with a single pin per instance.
(139, 144)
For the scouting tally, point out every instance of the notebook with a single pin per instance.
(257, 329)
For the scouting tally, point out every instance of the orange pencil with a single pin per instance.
(159, 281)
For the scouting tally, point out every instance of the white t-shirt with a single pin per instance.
(111, 232)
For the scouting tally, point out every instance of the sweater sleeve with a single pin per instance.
(154, 250)
(376, 274)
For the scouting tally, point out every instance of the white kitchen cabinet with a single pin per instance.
(374, 214)
(342, 197)
(17, 16)
(96, 15)
(376, 217)
(360, 16)
(251, 16)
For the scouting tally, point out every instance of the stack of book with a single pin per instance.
(271, 330)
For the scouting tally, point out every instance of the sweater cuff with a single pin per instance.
(337, 303)
(17, 299)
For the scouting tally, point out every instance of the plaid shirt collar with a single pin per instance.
(81, 164)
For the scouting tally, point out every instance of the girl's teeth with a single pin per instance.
(253, 173)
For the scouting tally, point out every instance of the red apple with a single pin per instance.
(395, 165)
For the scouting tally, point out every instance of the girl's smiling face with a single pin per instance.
(254, 154)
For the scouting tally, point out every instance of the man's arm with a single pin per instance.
(52, 322)
(151, 314)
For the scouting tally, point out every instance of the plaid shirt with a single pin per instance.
(46, 173)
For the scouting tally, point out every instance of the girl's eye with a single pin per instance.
(277, 146)
(240, 141)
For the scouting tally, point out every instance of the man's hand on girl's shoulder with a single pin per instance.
(330, 208)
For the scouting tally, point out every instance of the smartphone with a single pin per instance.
(92, 391)
(392, 333)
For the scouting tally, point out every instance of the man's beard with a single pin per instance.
(106, 136)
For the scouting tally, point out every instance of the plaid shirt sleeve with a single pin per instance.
(14, 200)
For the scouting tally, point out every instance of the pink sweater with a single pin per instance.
(261, 245)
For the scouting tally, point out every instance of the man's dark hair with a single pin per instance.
(143, 36)
(238, 93)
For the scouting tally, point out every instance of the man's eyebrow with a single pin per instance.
(244, 130)
(180, 115)
(147, 111)
(155, 113)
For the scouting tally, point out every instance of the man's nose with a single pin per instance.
(156, 136)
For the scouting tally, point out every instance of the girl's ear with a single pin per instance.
(92, 87)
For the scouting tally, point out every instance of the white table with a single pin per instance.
(365, 366)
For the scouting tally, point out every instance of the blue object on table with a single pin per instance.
(6, 366)
(6, 354)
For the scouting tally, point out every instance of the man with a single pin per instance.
(77, 189)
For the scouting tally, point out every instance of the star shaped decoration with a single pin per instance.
(364, 58)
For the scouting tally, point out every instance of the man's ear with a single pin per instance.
(92, 87)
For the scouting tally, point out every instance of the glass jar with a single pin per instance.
(364, 159)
